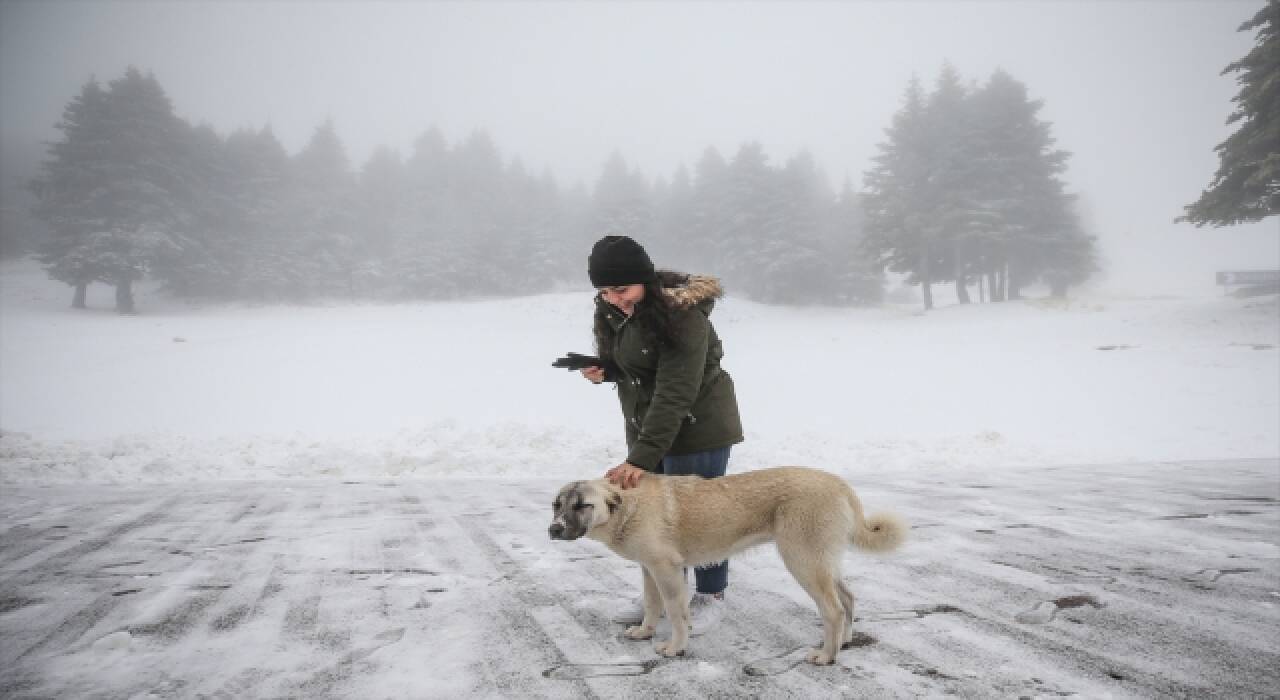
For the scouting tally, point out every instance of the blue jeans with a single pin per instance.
(708, 465)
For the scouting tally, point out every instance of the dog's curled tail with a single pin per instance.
(881, 532)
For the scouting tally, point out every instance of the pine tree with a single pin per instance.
(898, 233)
(948, 195)
(259, 191)
(118, 186)
(423, 250)
(152, 185)
(475, 262)
(1246, 186)
(966, 186)
(709, 211)
(674, 223)
(1024, 226)
(859, 279)
(750, 219)
(790, 257)
(383, 207)
(201, 258)
(322, 214)
(528, 255)
(623, 201)
(71, 189)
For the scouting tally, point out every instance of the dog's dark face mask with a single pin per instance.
(571, 512)
(578, 507)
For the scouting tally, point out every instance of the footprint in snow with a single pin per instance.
(1045, 611)
(570, 672)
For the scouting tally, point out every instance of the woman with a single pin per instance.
(654, 335)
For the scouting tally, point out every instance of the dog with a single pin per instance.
(667, 523)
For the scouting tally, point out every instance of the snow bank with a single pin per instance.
(351, 391)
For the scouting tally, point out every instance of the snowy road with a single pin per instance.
(1120, 581)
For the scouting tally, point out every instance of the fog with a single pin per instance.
(1132, 89)
(325, 438)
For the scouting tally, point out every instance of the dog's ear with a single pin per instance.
(613, 499)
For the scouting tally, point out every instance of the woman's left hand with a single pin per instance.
(625, 475)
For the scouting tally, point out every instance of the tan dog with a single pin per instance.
(667, 523)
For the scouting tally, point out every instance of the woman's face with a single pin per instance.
(624, 296)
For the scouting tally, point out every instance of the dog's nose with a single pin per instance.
(556, 530)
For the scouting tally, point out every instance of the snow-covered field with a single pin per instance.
(351, 500)
(181, 393)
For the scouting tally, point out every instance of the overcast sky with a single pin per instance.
(1132, 88)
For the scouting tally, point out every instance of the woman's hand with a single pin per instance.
(593, 374)
(625, 475)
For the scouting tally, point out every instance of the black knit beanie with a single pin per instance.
(618, 260)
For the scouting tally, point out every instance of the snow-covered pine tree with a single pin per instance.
(383, 215)
(70, 190)
(322, 216)
(709, 211)
(419, 261)
(201, 258)
(792, 263)
(117, 188)
(859, 279)
(152, 184)
(477, 189)
(530, 225)
(623, 203)
(673, 222)
(749, 219)
(260, 190)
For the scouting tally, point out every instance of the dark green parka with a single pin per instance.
(675, 400)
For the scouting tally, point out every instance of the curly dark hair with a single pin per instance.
(655, 314)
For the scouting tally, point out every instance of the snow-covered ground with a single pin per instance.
(181, 393)
(351, 500)
(1116, 581)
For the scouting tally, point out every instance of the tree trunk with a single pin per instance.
(1014, 285)
(77, 300)
(124, 297)
(962, 286)
(982, 288)
(925, 279)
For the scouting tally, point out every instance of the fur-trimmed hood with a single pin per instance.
(687, 291)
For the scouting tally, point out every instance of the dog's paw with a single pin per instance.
(639, 632)
(820, 658)
(668, 649)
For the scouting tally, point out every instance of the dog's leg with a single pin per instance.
(813, 572)
(652, 608)
(669, 577)
(846, 600)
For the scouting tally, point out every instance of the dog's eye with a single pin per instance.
(580, 506)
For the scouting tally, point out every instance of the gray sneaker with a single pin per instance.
(632, 614)
(705, 611)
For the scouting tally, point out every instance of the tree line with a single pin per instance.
(132, 190)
